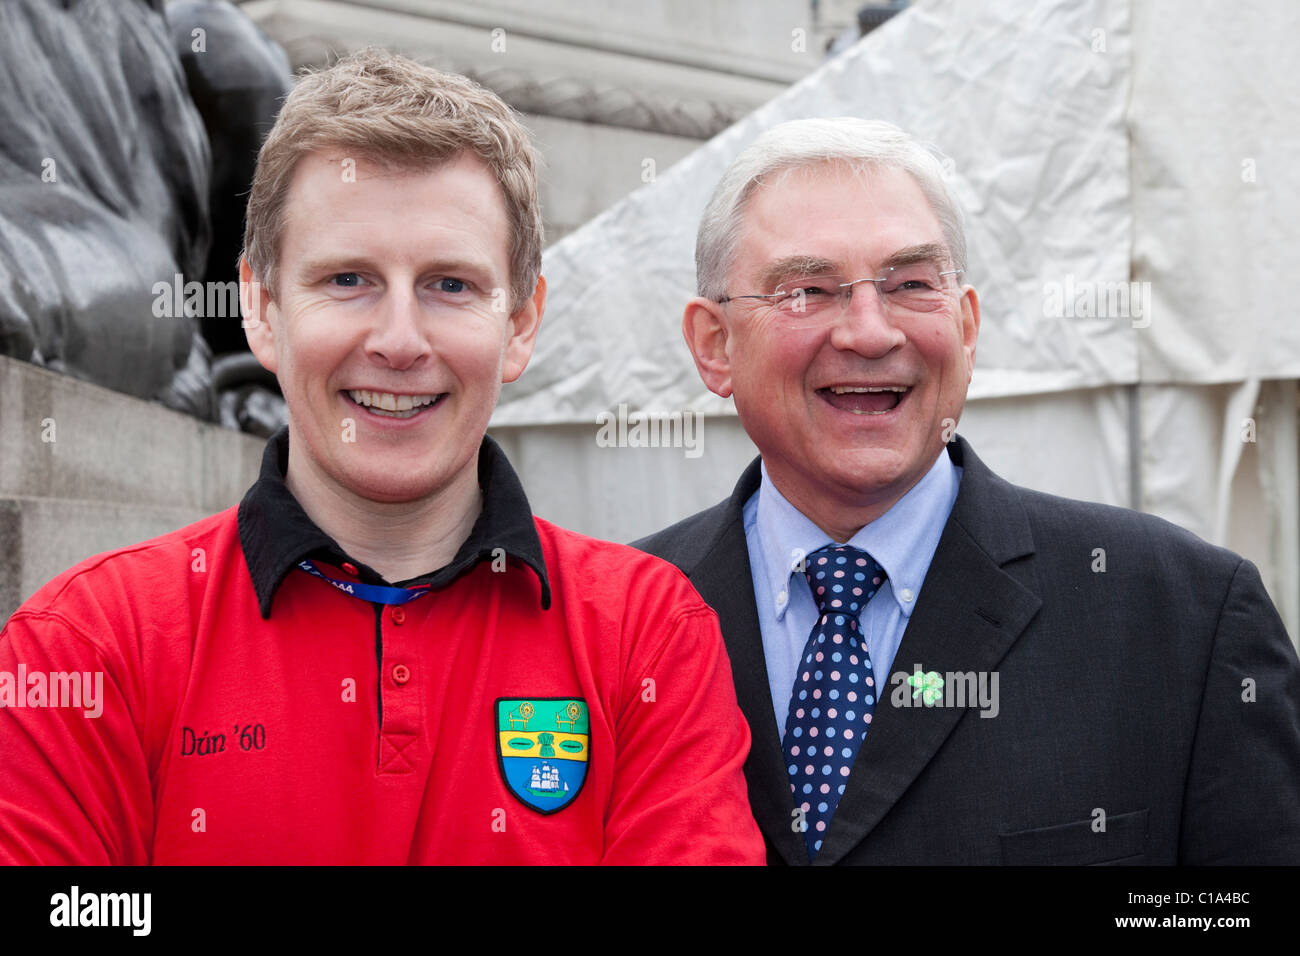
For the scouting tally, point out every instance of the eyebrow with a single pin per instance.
(794, 266)
(815, 265)
(925, 252)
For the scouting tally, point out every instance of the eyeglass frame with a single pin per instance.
(845, 297)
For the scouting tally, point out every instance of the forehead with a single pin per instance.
(337, 197)
(853, 219)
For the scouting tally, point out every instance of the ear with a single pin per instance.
(705, 330)
(256, 305)
(970, 327)
(523, 333)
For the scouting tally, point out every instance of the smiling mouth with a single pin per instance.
(865, 399)
(391, 404)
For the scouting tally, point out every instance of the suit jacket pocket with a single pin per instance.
(1076, 844)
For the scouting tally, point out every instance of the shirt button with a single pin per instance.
(348, 567)
(401, 674)
(780, 598)
(907, 595)
(399, 615)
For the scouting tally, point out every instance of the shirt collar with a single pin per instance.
(275, 533)
(902, 540)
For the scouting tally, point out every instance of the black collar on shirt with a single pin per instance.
(275, 533)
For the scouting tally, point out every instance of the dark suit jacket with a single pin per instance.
(1147, 713)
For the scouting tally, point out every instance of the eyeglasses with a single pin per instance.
(808, 301)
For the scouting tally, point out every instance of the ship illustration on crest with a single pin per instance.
(546, 782)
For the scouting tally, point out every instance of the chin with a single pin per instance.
(384, 487)
(869, 471)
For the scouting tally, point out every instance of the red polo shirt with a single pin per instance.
(551, 699)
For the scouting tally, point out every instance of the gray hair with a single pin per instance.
(861, 144)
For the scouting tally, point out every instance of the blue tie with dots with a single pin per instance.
(834, 692)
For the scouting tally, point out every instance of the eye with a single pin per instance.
(815, 286)
(921, 277)
(450, 285)
(346, 280)
(808, 293)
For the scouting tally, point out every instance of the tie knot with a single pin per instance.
(843, 579)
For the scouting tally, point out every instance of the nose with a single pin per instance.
(399, 335)
(865, 325)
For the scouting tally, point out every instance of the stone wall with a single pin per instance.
(84, 469)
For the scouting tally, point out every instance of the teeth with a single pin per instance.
(409, 413)
(847, 389)
(387, 401)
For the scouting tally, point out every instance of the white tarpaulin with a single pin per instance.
(1127, 173)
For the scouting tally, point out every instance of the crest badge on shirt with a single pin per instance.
(543, 745)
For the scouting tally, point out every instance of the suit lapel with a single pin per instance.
(724, 580)
(969, 614)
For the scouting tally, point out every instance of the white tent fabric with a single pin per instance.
(1216, 188)
(1130, 215)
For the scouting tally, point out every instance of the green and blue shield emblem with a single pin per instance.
(543, 746)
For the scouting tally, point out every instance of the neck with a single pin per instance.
(839, 518)
(400, 540)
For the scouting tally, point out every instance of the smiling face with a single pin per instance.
(389, 333)
(841, 454)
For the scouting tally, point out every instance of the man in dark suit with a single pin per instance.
(938, 666)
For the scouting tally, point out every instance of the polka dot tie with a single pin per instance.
(834, 692)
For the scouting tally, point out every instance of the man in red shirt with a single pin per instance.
(288, 681)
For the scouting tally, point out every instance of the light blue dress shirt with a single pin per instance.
(902, 541)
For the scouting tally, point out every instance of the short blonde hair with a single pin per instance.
(389, 109)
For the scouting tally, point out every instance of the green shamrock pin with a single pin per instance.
(927, 686)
